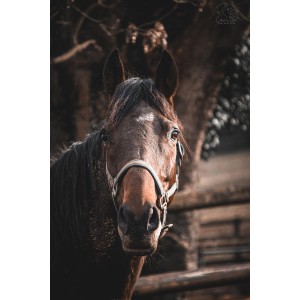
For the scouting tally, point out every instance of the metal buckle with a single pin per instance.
(114, 190)
(165, 203)
(164, 210)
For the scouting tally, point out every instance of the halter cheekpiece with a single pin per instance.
(162, 196)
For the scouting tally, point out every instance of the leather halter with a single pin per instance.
(162, 196)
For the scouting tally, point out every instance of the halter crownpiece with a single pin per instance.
(162, 196)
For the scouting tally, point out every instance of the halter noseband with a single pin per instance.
(162, 196)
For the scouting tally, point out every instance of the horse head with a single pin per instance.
(142, 141)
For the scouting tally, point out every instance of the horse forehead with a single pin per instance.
(145, 117)
(144, 113)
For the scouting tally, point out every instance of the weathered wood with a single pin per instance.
(228, 292)
(227, 169)
(188, 280)
(226, 230)
(226, 250)
(224, 242)
(189, 200)
(223, 258)
(226, 220)
(227, 213)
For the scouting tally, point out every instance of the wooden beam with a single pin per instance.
(224, 230)
(188, 200)
(189, 280)
(229, 213)
(224, 242)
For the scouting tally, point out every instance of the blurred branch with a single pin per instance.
(159, 18)
(54, 14)
(74, 51)
(85, 13)
(200, 4)
(100, 2)
(239, 11)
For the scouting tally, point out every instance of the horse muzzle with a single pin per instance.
(139, 232)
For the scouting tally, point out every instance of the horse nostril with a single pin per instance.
(153, 221)
(122, 220)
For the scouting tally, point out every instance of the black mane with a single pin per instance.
(72, 179)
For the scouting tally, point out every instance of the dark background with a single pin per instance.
(210, 42)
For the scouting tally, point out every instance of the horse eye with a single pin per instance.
(104, 137)
(174, 134)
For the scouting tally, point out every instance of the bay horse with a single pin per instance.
(110, 193)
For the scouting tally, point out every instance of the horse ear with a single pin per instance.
(113, 73)
(166, 76)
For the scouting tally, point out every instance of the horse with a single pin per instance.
(110, 192)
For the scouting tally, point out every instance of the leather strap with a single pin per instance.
(163, 196)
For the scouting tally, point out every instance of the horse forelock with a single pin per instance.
(130, 93)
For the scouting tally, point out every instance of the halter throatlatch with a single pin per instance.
(162, 196)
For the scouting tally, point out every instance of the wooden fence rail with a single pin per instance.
(188, 200)
(189, 280)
